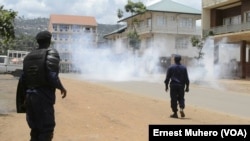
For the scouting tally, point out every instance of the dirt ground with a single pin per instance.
(93, 112)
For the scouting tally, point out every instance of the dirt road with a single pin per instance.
(93, 111)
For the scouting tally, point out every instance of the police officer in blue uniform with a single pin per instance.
(178, 80)
(40, 79)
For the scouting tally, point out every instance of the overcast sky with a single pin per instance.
(105, 11)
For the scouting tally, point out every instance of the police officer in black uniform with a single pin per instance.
(177, 78)
(40, 80)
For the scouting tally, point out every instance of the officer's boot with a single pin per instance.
(182, 113)
(46, 136)
(174, 115)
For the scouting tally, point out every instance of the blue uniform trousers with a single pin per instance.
(40, 116)
(177, 97)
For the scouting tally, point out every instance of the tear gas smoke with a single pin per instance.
(118, 63)
(228, 57)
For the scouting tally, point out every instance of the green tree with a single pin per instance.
(7, 33)
(119, 13)
(23, 42)
(198, 42)
(133, 8)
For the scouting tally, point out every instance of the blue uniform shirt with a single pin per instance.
(177, 75)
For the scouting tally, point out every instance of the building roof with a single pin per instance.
(120, 30)
(73, 19)
(171, 6)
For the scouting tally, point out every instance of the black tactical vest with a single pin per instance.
(34, 67)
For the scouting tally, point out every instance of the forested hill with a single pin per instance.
(26, 30)
(30, 27)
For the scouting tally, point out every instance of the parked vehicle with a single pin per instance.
(12, 63)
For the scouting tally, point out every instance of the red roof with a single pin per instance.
(73, 20)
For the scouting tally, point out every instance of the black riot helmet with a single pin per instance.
(43, 38)
(177, 58)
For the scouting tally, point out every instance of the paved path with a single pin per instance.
(234, 103)
(209, 96)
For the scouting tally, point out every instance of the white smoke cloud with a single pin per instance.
(117, 63)
(226, 67)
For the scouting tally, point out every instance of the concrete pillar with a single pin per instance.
(243, 46)
(248, 55)
(216, 52)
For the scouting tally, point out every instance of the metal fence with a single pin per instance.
(229, 28)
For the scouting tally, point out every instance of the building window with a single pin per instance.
(248, 16)
(55, 27)
(63, 47)
(227, 21)
(76, 37)
(76, 28)
(186, 22)
(232, 20)
(171, 18)
(141, 24)
(161, 21)
(63, 27)
(149, 20)
(181, 42)
(236, 20)
(87, 29)
(54, 36)
(63, 37)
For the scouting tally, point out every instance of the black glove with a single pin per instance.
(166, 88)
(187, 89)
(63, 93)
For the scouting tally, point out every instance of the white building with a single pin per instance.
(70, 32)
(166, 28)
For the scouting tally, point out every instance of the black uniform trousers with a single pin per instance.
(177, 97)
(40, 117)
